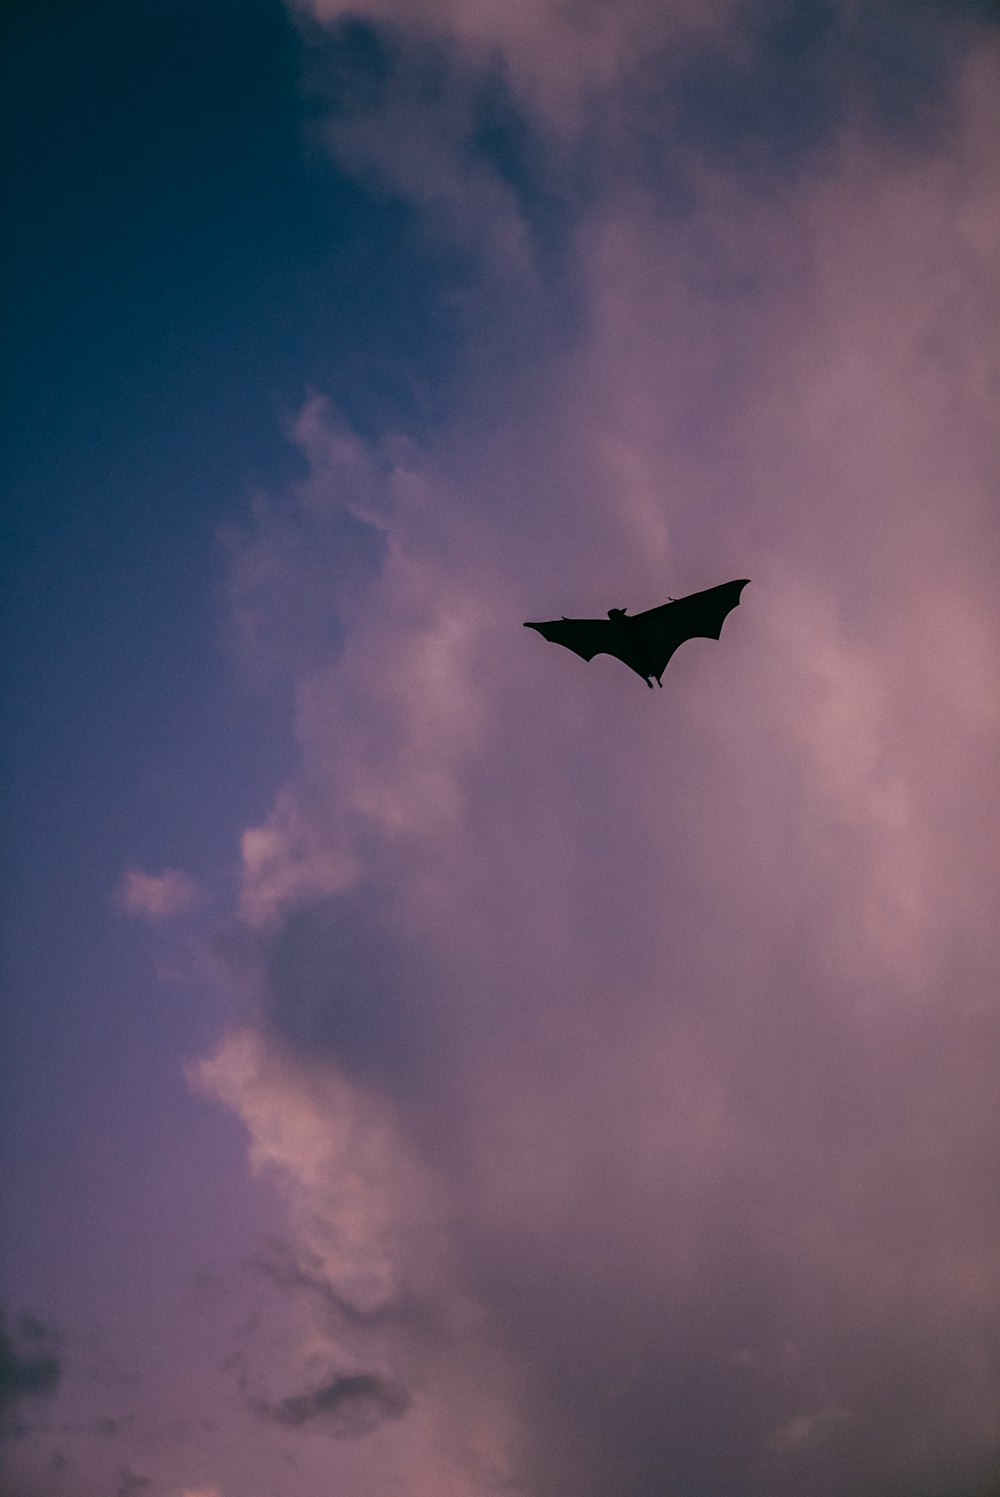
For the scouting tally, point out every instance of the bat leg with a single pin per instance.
(648, 682)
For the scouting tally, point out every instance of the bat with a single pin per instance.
(646, 641)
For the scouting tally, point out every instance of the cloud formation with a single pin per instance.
(158, 896)
(29, 1369)
(556, 57)
(628, 1062)
(130, 1483)
(353, 1404)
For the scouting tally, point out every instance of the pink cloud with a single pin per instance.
(629, 1064)
(158, 896)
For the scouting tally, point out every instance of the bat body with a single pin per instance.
(646, 642)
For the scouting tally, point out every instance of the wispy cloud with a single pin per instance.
(556, 57)
(158, 896)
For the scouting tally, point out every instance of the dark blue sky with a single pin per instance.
(182, 266)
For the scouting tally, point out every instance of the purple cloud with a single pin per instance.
(628, 1063)
(157, 896)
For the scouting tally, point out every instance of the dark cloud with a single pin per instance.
(346, 980)
(26, 1371)
(32, 1329)
(131, 1483)
(351, 1405)
(806, 69)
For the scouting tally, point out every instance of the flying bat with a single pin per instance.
(646, 641)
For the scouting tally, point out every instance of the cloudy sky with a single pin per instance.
(434, 1065)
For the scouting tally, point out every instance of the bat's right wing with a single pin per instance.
(585, 637)
(698, 616)
(659, 631)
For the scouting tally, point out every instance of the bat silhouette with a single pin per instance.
(646, 642)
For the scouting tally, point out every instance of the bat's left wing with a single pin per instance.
(585, 637)
(698, 616)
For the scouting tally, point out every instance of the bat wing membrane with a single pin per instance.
(585, 637)
(698, 616)
(646, 641)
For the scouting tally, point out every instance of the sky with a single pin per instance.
(432, 1064)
